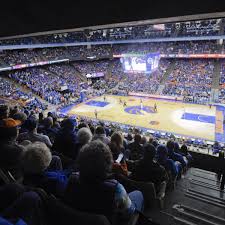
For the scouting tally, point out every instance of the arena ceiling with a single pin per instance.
(24, 17)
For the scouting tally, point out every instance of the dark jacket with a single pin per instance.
(94, 198)
(11, 158)
(136, 151)
(65, 143)
(149, 171)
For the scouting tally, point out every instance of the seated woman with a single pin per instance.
(117, 149)
(41, 171)
(184, 152)
(147, 169)
(176, 157)
(92, 190)
(168, 164)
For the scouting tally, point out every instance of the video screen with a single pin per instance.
(143, 64)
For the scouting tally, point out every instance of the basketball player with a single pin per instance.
(121, 101)
(124, 104)
(155, 107)
(104, 98)
(141, 104)
(96, 114)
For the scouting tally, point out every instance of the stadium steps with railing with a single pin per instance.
(167, 73)
(216, 75)
(82, 77)
(196, 199)
(215, 82)
(165, 77)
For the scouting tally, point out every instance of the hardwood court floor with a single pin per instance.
(180, 118)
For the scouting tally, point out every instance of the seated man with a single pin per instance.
(32, 135)
(168, 164)
(136, 149)
(147, 169)
(176, 156)
(93, 190)
(40, 170)
(11, 152)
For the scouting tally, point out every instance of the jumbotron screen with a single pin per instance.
(140, 63)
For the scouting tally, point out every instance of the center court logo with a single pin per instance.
(138, 111)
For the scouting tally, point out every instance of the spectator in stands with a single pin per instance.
(101, 135)
(221, 169)
(176, 156)
(4, 112)
(40, 170)
(32, 135)
(143, 140)
(216, 147)
(136, 149)
(21, 116)
(93, 191)
(184, 152)
(163, 160)
(47, 128)
(84, 136)
(129, 138)
(11, 153)
(118, 151)
(20, 206)
(66, 139)
(148, 170)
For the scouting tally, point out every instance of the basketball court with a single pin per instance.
(192, 120)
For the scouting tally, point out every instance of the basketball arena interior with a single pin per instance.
(114, 124)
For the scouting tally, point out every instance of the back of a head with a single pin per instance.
(99, 130)
(117, 138)
(149, 152)
(13, 111)
(31, 124)
(84, 135)
(170, 145)
(20, 116)
(143, 140)
(69, 124)
(184, 149)
(155, 143)
(48, 122)
(4, 112)
(82, 124)
(176, 147)
(37, 158)
(137, 138)
(162, 151)
(9, 129)
(95, 162)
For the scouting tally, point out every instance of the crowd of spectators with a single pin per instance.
(179, 47)
(48, 85)
(80, 162)
(191, 79)
(10, 91)
(222, 83)
(15, 57)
